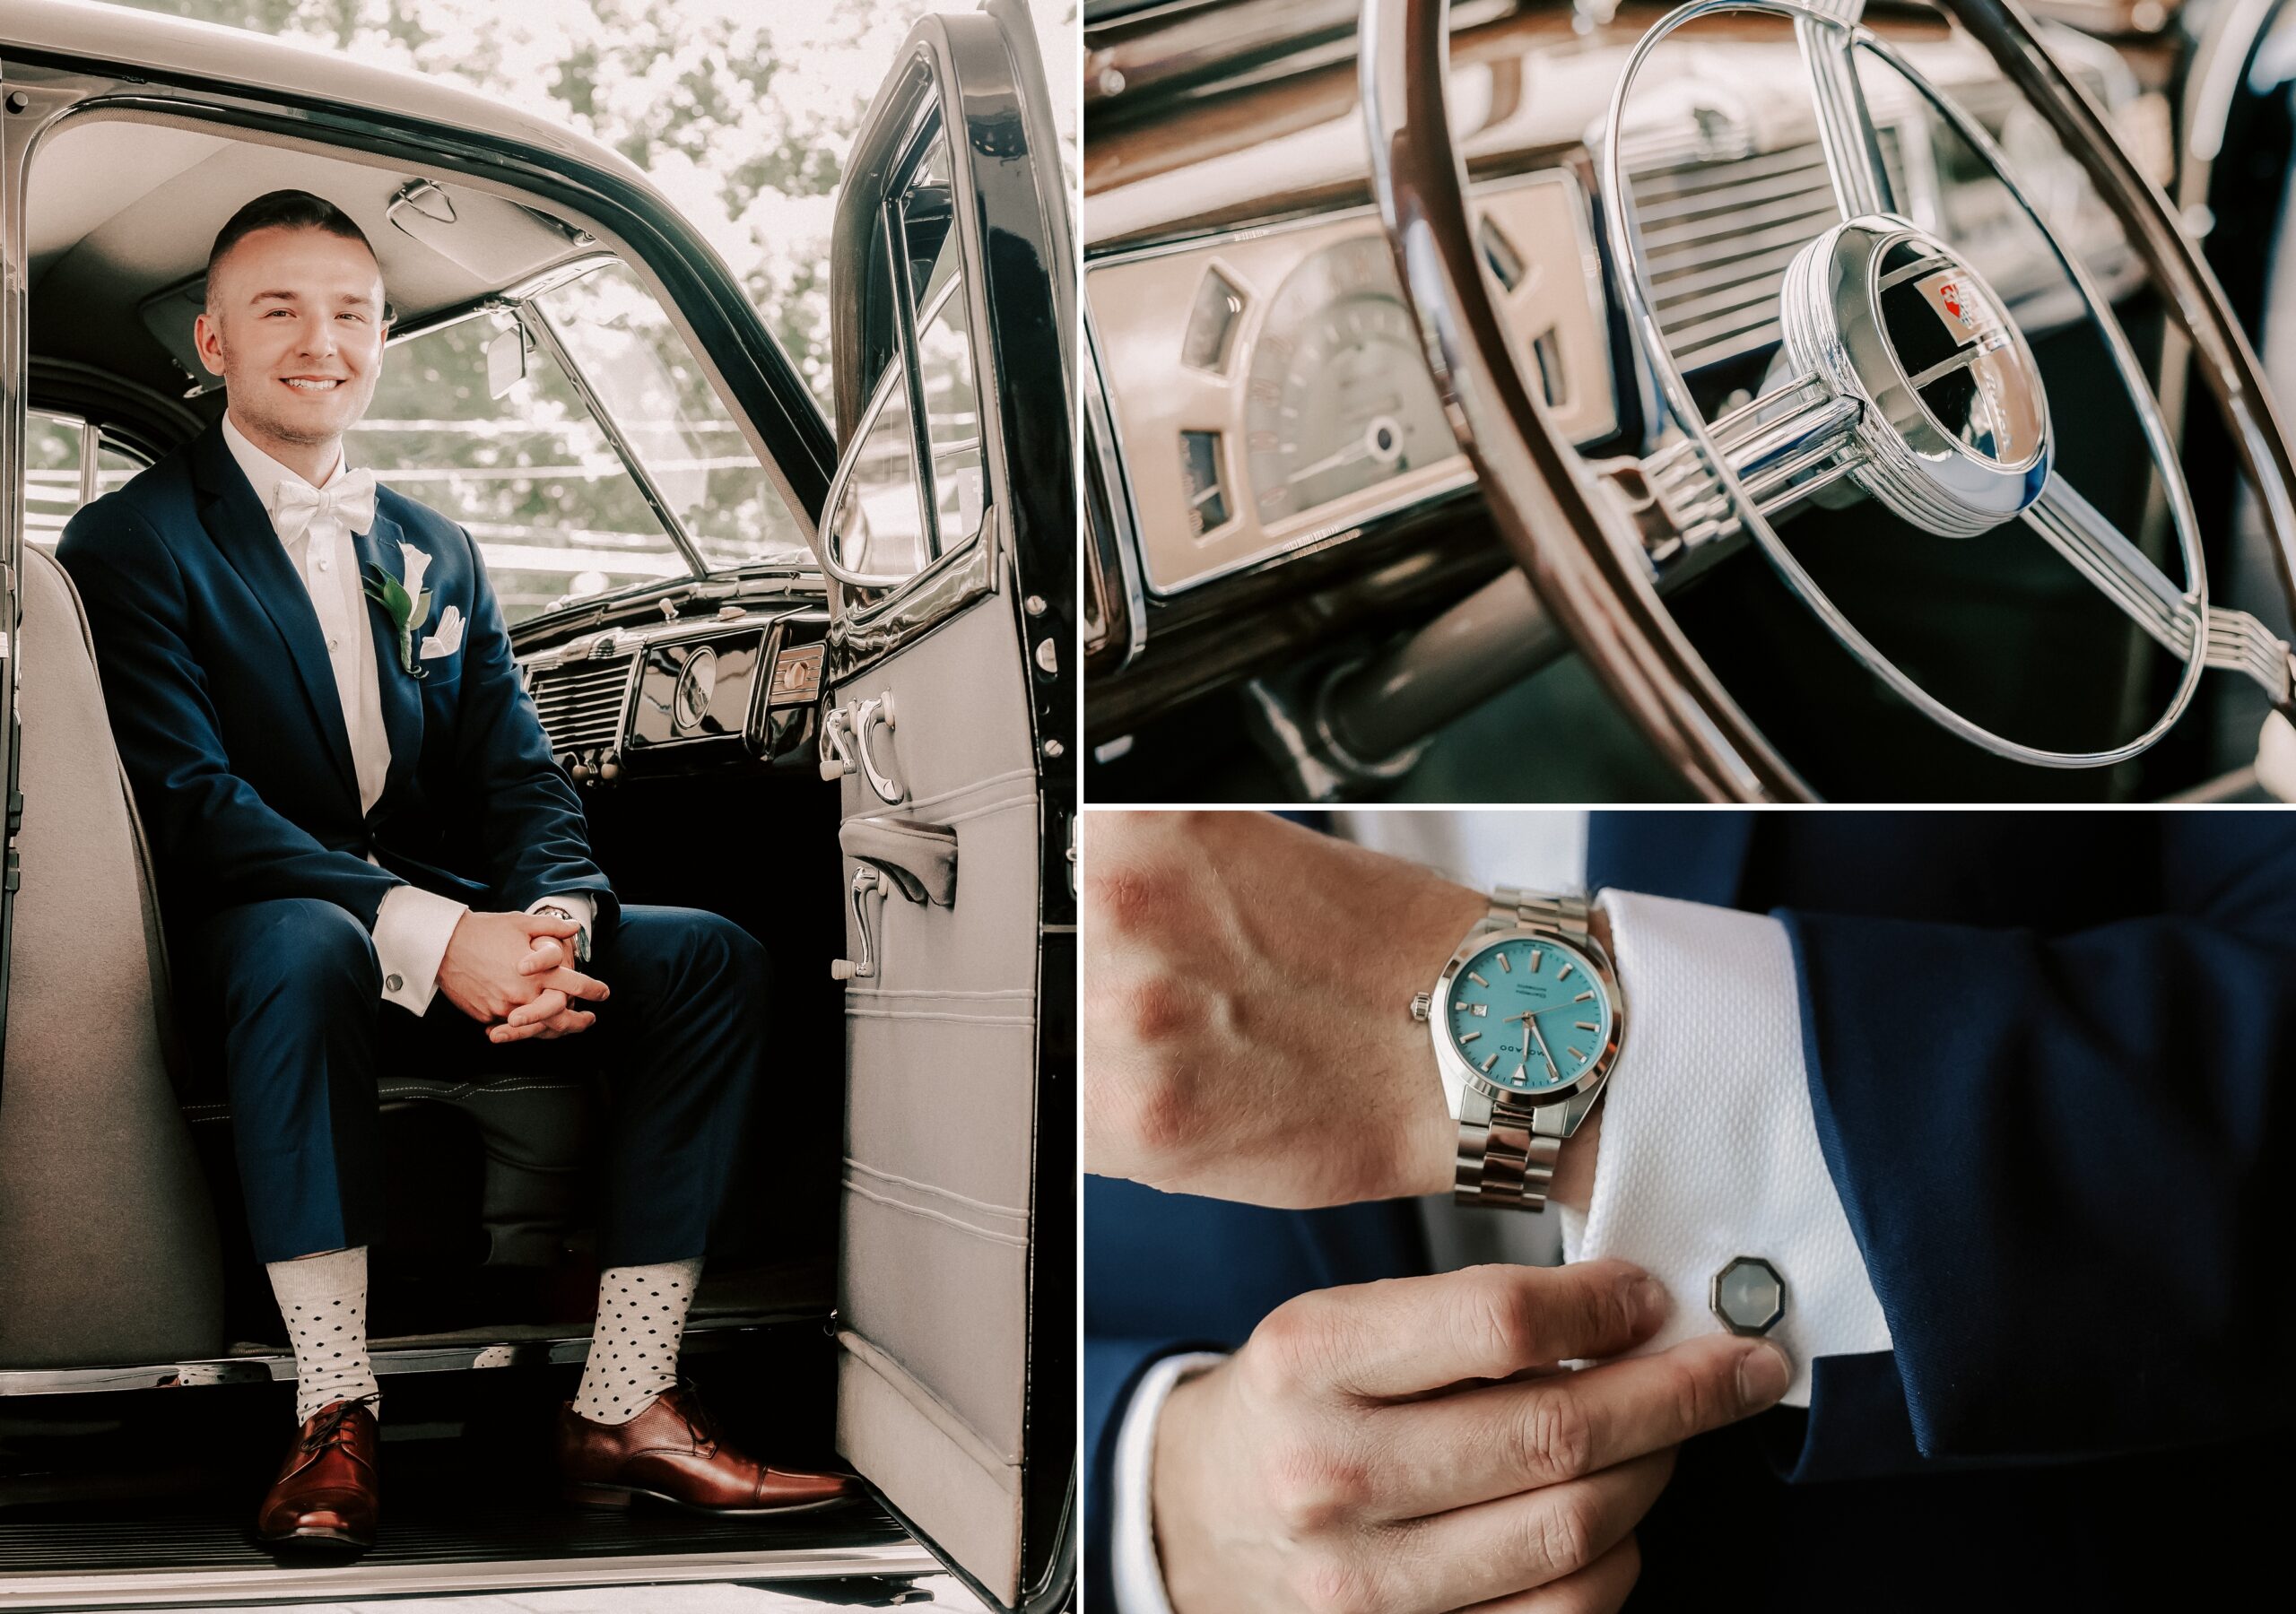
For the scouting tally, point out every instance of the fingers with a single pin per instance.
(549, 1006)
(1498, 1549)
(1404, 1336)
(1600, 1588)
(548, 924)
(574, 985)
(565, 1023)
(1462, 1449)
(547, 954)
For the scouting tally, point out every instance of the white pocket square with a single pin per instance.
(446, 640)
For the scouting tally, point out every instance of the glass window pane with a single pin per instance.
(51, 476)
(115, 469)
(530, 474)
(648, 379)
(879, 530)
(952, 419)
(944, 360)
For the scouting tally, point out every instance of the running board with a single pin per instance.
(278, 1366)
(825, 1577)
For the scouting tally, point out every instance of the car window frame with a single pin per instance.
(915, 148)
(578, 195)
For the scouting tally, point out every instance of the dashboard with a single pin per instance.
(738, 689)
(1270, 466)
(1289, 387)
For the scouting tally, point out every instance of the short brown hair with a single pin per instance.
(285, 210)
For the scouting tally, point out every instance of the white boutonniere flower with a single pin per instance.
(404, 599)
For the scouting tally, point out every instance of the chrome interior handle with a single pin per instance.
(837, 743)
(867, 714)
(866, 879)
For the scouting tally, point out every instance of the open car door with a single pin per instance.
(949, 711)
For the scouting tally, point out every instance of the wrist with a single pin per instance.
(1183, 1550)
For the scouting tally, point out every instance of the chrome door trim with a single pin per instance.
(278, 1366)
(825, 1563)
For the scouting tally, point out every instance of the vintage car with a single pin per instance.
(1744, 400)
(817, 676)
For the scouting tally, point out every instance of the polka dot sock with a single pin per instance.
(634, 1345)
(323, 1299)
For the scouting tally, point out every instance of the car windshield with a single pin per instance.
(571, 466)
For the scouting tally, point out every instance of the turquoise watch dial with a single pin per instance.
(1530, 1014)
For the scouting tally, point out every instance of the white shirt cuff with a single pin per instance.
(1709, 1147)
(412, 930)
(1133, 1564)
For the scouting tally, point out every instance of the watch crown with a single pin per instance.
(1421, 1006)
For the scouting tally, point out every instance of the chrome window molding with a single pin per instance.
(544, 330)
(1106, 441)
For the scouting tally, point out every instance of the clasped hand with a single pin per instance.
(1411, 1446)
(511, 972)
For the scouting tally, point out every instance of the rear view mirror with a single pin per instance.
(506, 362)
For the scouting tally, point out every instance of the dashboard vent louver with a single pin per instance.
(580, 703)
(1719, 235)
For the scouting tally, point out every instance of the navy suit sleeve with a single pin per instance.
(220, 843)
(535, 840)
(2062, 1156)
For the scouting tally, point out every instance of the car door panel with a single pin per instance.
(956, 1365)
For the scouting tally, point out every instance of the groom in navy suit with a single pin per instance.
(2050, 1058)
(367, 859)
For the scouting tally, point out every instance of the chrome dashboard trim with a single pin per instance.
(1423, 487)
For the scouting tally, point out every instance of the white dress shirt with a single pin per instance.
(1709, 1147)
(413, 926)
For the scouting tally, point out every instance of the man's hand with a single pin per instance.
(483, 974)
(1356, 1455)
(549, 1015)
(1248, 1028)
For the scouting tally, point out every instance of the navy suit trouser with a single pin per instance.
(286, 997)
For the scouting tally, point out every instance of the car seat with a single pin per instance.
(108, 1229)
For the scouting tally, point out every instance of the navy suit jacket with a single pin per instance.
(2052, 1057)
(224, 705)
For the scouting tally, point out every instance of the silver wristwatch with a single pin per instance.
(1527, 1018)
(581, 936)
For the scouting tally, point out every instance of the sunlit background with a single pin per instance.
(743, 114)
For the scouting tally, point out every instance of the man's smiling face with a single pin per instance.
(294, 326)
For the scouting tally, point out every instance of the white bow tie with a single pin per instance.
(349, 499)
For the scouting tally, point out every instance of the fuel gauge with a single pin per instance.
(1207, 496)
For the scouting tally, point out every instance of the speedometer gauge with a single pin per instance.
(1339, 398)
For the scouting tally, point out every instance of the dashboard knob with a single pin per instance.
(842, 969)
(835, 768)
(610, 767)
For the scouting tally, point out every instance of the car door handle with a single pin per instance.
(868, 880)
(835, 743)
(866, 715)
(919, 858)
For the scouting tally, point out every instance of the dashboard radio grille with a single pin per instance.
(1720, 234)
(580, 703)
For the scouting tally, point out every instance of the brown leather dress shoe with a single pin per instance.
(672, 1453)
(328, 1495)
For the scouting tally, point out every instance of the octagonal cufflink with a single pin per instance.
(1747, 1295)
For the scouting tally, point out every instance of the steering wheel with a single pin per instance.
(1907, 380)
